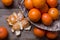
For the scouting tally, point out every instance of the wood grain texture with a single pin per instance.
(26, 35)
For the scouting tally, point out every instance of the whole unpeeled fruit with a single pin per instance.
(7, 2)
(38, 32)
(38, 3)
(52, 3)
(52, 35)
(28, 4)
(46, 19)
(54, 13)
(34, 15)
(3, 32)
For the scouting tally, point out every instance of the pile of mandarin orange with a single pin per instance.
(44, 10)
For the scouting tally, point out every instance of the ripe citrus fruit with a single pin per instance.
(52, 35)
(46, 19)
(54, 13)
(44, 9)
(52, 3)
(38, 3)
(3, 33)
(38, 32)
(34, 15)
(7, 2)
(28, 4)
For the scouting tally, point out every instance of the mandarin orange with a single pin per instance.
(28, 4)
(46, 19)
(34, 15)
(54, 13)
(38, 32)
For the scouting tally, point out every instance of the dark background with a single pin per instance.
(25, 35)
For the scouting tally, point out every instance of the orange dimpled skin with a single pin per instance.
(52, 35)
(28, 4)
(44, 9)
(34, 15)
(7, 2)
(46, 19)
(3, 32)
(54, 13)
(52, 3)
(38, 3)
(38, 32)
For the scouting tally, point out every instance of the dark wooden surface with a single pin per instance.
(25, 35)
